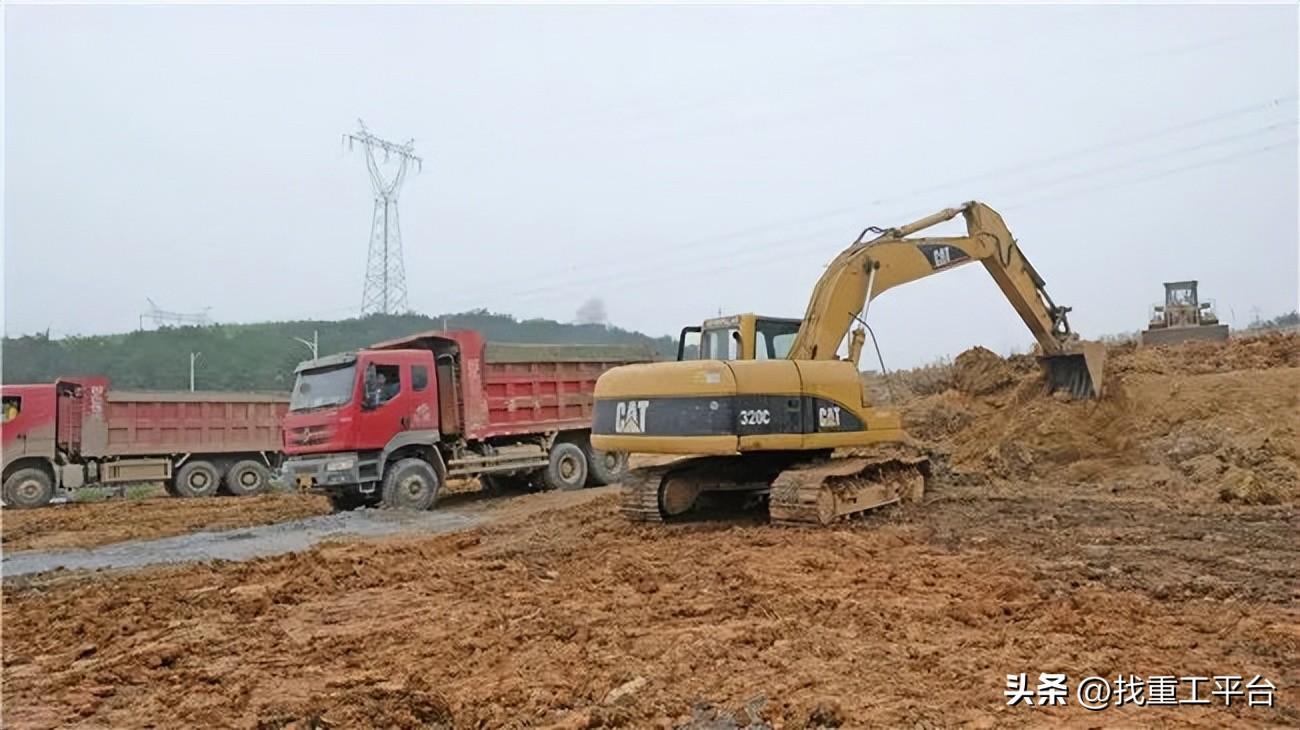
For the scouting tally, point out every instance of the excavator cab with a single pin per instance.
(738, 337)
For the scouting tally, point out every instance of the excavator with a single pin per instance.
(767, 411)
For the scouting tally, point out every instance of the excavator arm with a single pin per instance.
(868, 268)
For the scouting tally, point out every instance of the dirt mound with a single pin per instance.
(1262, 352)
(1221, 419)
(978, 371)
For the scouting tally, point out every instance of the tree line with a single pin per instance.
(263, 356)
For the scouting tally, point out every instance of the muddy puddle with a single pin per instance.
(237, 544)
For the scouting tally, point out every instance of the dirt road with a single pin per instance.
(84, 525)
(1154, 533)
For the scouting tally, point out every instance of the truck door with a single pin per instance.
(423, 405)
(386, 402)
(448, 394)
(14, 428)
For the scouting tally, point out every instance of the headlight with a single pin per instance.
(340, 465)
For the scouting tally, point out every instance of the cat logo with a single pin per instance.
(941, 255)
(629, 416)
(828, 417)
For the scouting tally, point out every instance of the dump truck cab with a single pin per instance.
(347, 410)
(29, 426)
(390, 423)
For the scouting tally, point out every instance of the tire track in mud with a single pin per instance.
(464, 510)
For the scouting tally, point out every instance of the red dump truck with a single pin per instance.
(390, 424)
(77, 432)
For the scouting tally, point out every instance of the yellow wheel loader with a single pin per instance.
(766, 403)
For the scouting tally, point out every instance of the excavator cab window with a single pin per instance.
(773, 338)
(721, 343)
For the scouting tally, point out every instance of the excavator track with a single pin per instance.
(827, 491)
(668, 491)
(640, 493)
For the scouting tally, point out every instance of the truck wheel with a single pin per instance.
(28, 488)
(197, 479)
(605, 467)
(568, 467)
(245, 478)
(411, 484)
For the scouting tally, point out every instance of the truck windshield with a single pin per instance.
(322, 387)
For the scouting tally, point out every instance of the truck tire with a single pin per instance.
(197, 479)
(411, 484)
(249, 477)
(604, 467)
(28, 489)
(568, 467)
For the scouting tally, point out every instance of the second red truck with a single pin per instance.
(390, 424)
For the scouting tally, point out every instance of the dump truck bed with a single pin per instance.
(103, 422)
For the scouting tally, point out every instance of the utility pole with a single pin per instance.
(314, 345)
(193, 357)
(384, 291)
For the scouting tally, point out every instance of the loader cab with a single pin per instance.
(738, 337)
(1183, 307)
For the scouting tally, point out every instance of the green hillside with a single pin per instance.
(262, 356)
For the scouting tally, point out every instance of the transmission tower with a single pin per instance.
(164, 318)
(385, 286)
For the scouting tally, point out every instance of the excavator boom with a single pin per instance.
(868, 268)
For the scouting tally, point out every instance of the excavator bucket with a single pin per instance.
(1079, 372)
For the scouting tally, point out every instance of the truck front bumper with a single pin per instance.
(322, 471)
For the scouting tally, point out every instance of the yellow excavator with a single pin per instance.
(766, 403)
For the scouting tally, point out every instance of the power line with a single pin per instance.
(1249, 134)
(1125, 141)
(1155, 176)
(858, 209)
(694, 270)
(733, 255)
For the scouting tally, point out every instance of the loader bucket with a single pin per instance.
(1079, 372)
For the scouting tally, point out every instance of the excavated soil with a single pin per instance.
(101, 523)
(1153, 532)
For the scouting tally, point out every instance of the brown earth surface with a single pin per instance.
(1153, 532)
(99, 523)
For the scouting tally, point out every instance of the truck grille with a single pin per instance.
(308, 435)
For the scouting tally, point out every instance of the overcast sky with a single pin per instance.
(673, 161)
